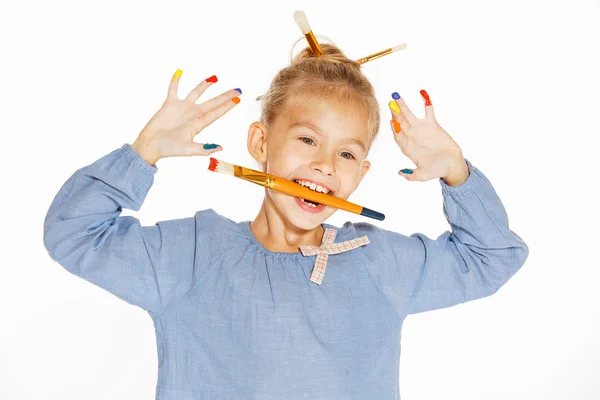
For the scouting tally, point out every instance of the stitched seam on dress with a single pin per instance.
(491, 219)
(199, 280)
(366, 260)
(59, 206)
(511, 248)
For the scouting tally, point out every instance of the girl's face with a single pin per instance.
(323, 143)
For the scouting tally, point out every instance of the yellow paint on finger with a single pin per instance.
(177, 74)
(394, 107)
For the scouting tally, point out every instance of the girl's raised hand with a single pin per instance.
(426, 143)
(171, 131)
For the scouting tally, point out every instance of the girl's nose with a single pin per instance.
(323, 164)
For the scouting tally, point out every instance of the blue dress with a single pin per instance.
(234, 320)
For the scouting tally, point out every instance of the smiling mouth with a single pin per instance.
(309, 202)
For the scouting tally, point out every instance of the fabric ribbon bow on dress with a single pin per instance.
(328, 247)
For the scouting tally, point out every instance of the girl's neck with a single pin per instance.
(276, 234)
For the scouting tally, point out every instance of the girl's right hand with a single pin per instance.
(171, 131)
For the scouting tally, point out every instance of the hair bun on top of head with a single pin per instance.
(311, 78)
(331, 53)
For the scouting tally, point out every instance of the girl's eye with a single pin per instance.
(344, 154)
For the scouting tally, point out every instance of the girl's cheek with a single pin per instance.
(298, 146)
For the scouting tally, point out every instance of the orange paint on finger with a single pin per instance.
(426, 97)
(236, 100)
(396, 126)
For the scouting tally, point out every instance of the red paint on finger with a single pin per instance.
(426, 97)
(212, 79)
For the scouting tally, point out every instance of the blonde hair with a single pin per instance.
(311, 78)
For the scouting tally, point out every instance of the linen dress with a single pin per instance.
(234, 320)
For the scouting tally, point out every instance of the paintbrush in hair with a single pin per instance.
(381, 53)
(302, 23)
(368, 58)
(290, 188)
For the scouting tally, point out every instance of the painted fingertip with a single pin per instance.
(212, 79)
(394, 107)
(177, 74)
(209, 146)
(239, 90)
(396, 126)
(236, 100)
(426, 97)
(395, 95)
(406, 171)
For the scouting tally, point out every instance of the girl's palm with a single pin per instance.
(175, 125)
(424, 141)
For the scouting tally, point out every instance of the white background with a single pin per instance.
(515, 83)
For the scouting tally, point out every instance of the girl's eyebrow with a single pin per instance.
(316, 130)
(308, 125)
(357, 142)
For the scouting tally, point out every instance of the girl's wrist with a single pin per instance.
(145, 151)
(458, 174)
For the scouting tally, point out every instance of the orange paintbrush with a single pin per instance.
(290, 188)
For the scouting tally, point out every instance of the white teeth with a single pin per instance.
(312, 205)
(313, 186)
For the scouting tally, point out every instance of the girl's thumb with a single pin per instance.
(410, 174)
(199, 149)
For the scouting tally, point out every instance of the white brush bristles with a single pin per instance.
(223, 167)
(399, 47)
(302, 21)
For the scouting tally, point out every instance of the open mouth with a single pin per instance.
(314, 187)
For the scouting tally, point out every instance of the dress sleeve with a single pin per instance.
(473, 260)
(147, 266)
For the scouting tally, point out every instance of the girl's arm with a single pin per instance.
(472, 261)
(148, 266)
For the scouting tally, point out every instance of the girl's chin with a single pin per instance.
(300, 214)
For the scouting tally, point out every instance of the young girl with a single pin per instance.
(275, 308)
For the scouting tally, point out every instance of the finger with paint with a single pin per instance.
(170, 132)
(399, 123)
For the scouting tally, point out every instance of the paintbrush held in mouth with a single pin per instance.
(291, 188)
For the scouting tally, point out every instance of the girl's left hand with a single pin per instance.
(427, 144)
